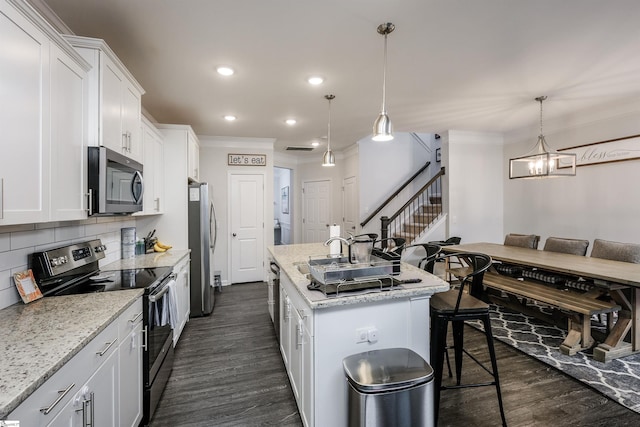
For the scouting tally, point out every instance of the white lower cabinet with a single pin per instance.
(130, 353)
(99, 384)
(183, 296)
(314, 343)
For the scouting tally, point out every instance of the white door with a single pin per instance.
(349, 205)
(247, 228)
(316, 215)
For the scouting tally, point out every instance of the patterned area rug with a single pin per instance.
(619, 379)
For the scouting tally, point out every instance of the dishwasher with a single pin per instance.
(274, 297)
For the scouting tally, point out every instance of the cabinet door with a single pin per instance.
(150, 166)
(307, 377)
(296, 328)
(130, 353)
(111, 106)
(285, 320)
(68, 137)
(131, 132)
(24, 91)
(104, 390)
(193, 148)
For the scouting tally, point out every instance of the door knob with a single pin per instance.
(234, 234)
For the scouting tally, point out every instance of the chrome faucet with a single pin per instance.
(341, 239)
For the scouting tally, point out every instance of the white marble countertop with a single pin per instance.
(288, 256)
(37, 339)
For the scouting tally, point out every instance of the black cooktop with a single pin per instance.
(117, 280)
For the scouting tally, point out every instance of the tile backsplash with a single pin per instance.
(18, 242)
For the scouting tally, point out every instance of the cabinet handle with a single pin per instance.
(137, 316)
(129, 142)
(1, 198)
(90, 197)
(124, 142)
(287, 309)
(144, 342)
(108, 346)
(61, 395)
(93, 409)
(157, 200)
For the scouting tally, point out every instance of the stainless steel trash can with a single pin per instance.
(389, 388)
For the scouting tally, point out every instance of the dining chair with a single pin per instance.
(566, 246)
(457, 306)
(427, 260)
(391, 244)
(529, 241)
(522, 240)
(450, 241)
(616, 251)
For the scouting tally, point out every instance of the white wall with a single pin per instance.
(601, 201)
(473, 183)
(214, 170)
(18, 242)
(384, 166)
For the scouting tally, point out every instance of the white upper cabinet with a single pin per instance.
(41, 87)
(114, 100)
(153, 168)
(68, 138)
(194, 157)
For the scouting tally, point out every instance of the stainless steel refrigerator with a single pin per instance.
(202, 242)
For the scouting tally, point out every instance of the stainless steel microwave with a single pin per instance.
(115, 183)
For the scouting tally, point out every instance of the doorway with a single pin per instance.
(282, 206)
(246, 213)
(316, 215)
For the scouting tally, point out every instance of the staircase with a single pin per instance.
(418, 214)
(421, 219)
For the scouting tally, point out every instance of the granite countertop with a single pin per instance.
(288, 256)
(158, 259)
(37, 339)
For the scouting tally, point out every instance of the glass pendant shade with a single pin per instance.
(542, 162)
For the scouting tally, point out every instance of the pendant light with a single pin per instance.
(329, 159)
(382, 129)
(542, 162)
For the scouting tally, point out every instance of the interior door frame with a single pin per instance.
(303, 205)
(229, 221)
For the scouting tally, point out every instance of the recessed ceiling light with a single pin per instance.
(225, 71)
(315, 80)
(230, 118)
(315, 143)
(291, 122)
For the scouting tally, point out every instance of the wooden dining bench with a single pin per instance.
(579, 307)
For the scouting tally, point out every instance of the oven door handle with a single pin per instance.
(155, 297)
(159, 295)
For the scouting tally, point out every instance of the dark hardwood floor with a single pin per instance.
(228, 372)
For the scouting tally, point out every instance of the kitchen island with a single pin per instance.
(317, 332)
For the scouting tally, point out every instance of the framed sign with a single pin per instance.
(613, 150)
(247, 160)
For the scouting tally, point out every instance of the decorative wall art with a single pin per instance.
(285, 200)
(612, 150)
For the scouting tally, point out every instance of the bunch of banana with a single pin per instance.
(161, 247)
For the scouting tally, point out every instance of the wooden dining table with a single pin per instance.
(620, 279)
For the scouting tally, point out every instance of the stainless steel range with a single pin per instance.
(74, 269)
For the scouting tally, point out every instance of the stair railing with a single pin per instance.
(393, 196)
(419, 208)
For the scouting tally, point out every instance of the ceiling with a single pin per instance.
(452, 64)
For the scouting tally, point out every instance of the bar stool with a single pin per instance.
(456, 306)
